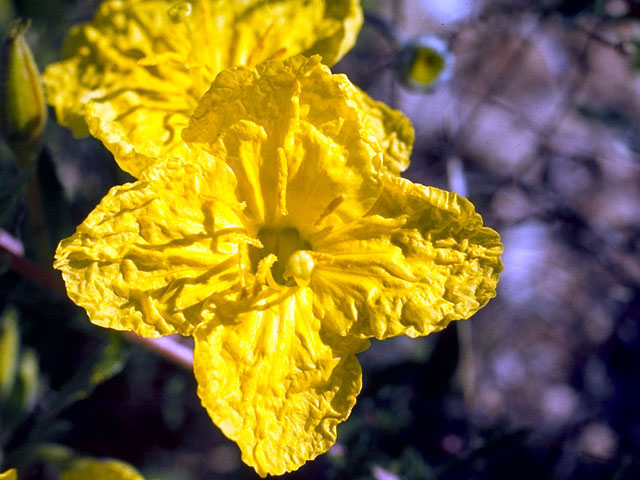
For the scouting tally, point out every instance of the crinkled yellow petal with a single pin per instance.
(274, 384)
(393, 131)
(106, 469)
(11, 474)
(420, 259)
(296, 138)
(134, 74)
(152, 253)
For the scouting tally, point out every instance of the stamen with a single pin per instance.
(272, 281)
(206, 21)
(283, 176)
(180, 13)
(255, 54)
(264, 275)
(333, 205)
(241, 273)
(294, 123)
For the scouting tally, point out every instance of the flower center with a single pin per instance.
(293, 265)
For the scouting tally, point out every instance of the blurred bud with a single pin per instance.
(23, 113)
(425, 62)
(9, 346)
(24, 394)
(28, 377)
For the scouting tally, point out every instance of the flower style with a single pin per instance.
(282, 246)
(133, 76)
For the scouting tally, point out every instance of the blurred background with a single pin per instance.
(530, 109)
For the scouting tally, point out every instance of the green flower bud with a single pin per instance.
(9, 351)
(424, 63)
(23, 113)
(28, 379)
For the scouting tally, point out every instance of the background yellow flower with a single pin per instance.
(133, 75)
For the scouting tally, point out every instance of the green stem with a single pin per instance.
(39, 229)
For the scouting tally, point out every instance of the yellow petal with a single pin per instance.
(274, 384)
(297, 139)
(153, 252)
(134, 74)
(420, 259)
(11, 474)
(393, 131)
(89, 468)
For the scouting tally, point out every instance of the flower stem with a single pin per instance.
(39, 230)
(166, 347)
(457, 182)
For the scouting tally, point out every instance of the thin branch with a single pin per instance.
(166, 347)
(38, 225)
(467, 374)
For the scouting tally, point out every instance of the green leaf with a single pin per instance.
(5, 263)
(106, 362)
(24, 394)
(32, 453)
(174, 409)
(9, 351)
(54, 454)
(6, 11)
(27, 386)
(12, 185)
(55, 205)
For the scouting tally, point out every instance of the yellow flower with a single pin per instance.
(133, 75)
(93, 469)
(89, 468)
(11, 474)
(282, 248)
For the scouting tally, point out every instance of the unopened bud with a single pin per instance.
(9, 351)
(23, 113)
(425, 62)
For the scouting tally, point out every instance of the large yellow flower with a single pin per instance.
(282, 246)
(133, 75)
